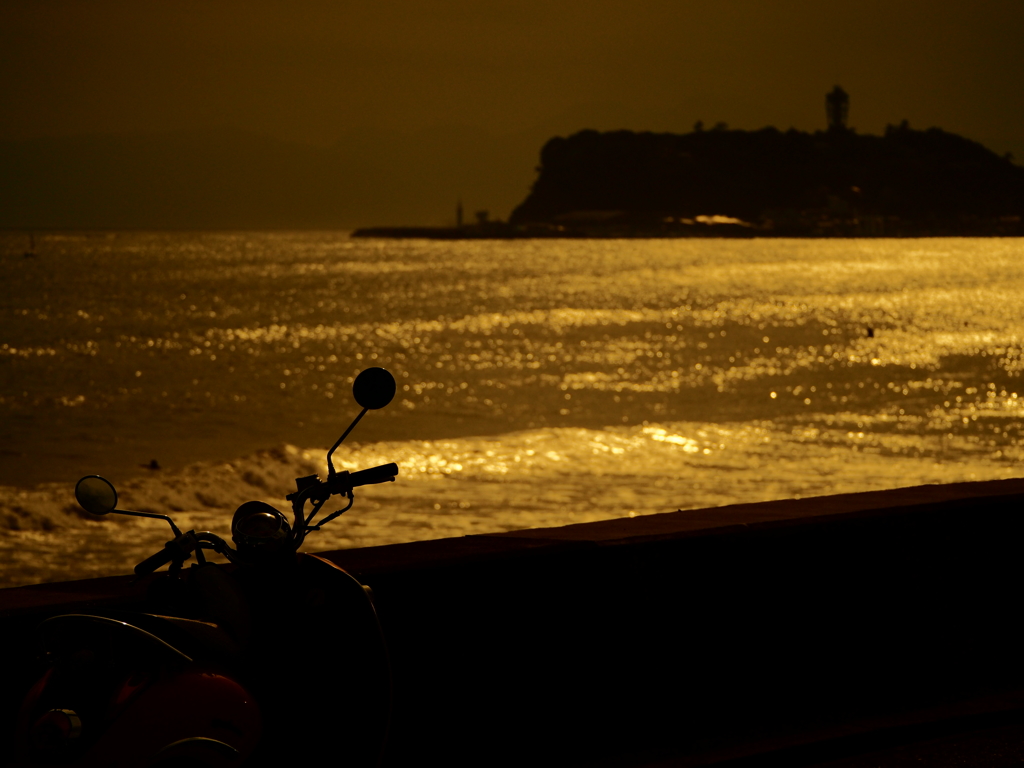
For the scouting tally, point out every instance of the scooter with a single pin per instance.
(274, 658)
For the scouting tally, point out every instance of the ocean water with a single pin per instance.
(540, 382)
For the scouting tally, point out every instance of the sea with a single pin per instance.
(540, 382)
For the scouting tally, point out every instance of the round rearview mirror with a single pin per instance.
(374, 388)
(96, 495)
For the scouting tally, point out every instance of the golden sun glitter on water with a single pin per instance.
(540, 382)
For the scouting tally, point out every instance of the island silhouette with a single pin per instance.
(761, 183)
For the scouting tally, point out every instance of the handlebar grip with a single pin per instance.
(154, 561)
(381, 474)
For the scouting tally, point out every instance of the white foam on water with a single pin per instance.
(527, 479)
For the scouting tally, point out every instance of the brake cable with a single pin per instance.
(336, 513)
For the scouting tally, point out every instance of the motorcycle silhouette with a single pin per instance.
(274, 658)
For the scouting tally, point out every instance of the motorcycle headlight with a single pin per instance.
(258, 528)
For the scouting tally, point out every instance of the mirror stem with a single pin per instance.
(330, 453)
(149, 514)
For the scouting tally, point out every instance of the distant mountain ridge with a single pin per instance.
(906, 182)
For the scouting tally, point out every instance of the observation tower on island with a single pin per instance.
(837, 107)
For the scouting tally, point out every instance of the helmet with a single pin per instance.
(259, 529)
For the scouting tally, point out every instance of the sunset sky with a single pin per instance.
(419, 102)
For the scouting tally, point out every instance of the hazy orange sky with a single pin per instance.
(495, 79)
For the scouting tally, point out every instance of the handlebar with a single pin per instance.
(154, 561)
(307, 488)
(180, 549)
(385, 473)
(313, 489)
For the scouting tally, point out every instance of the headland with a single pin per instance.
(762, 183)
